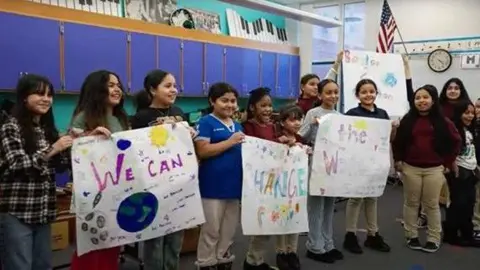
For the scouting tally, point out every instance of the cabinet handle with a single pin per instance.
(208, 86)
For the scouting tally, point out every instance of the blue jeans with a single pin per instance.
(163, 253)
(320, 222)
(29, 246)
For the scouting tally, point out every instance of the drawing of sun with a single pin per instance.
(360, 125)
(159, 136)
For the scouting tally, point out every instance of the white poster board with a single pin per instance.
(274, 194)
(351, 157)
(388, 73)
(137, 185)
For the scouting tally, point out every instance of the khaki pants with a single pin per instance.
(283, 244)
(218, 231)
(354, 205)
(422, 186)
(476, 213)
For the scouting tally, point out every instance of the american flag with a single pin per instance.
(387, 29)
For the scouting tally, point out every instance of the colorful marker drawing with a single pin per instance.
(390, 79)
(260, 215)
(159, 136)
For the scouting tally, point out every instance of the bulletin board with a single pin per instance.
(421, 73)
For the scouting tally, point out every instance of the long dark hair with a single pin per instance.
(458, 112)
(305, 79)
(92, 99)
(28, 85)
(322, 85)
(442, 140)
(463, 91)
(255, 96)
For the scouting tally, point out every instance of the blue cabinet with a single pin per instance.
(242, 69)
(268, 73)
(295, 75)
(29, 45)
(283, 88)
(214, 68)
(89, 48)
(170, 57)
(251, 69)
(192, 79)
(142, 59)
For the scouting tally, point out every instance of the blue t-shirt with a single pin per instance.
(220, 177)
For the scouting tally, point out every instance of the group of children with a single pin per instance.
(428, 148)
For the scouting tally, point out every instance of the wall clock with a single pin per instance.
(439, 60)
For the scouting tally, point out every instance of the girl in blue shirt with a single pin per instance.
(218, 146)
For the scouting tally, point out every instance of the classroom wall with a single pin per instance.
(64, 104)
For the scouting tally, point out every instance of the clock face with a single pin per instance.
(439, 60)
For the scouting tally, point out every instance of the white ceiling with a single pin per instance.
(292, 2)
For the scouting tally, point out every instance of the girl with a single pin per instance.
(31, 153)
(161, 90)
(259, 124)
(218, 146)
(461, 181)
(99, 111)
(425, 144)
(366, 92)
(453, 92)
(309, 86)
(320, 245)
(476, 214)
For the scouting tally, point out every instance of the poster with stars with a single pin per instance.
(351, 158)
(388, 73)
(275, 182)
(136, 185)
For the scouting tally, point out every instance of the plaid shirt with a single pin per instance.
(27, 183)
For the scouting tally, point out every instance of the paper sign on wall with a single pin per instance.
(274, 195)
(351, 157)
(388, 73)
(138, 185)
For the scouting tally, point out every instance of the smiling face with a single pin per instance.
(115, 93)
(423, 101)
(292, 125)
(310, 89)
(225, 106)
(166, 92)
(367, 94)
(39, 102)
(262, 110)
(468, 115)
(453, 91)
(329, 95)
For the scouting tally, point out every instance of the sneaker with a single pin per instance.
(336, 254)
(376, 243)
(283, 262)
(430, 247)
(414, 244)
(247, 266)
(422, 222)
(351, 243)
(293, 261)
(225, 266)
(320, 257)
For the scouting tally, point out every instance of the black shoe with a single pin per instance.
(293, 261)
(414, 243)
(247, 266)
(283, 262)
(430, 247)
(336, 254)
(351, 243)
(376, 243)
(225, 266)
(323, 257)
(213, 267)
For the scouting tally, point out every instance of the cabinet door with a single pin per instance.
(234, 69)
(283, 76)
(269, 70)
(170, 57)
(295, 75)
(29, 45)
(143, 49)
(192, 81)
(251, 69)
(89, 48)
(214, 64)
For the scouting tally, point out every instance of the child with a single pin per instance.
(161, 90)
(99, 111)
(320, 245)
(218, 146)
(453, 92)
(366, 92)
(31, 153)
(476, 213)
(425, 145)
(462, 180)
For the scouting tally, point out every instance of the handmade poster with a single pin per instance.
(351, 157)
(274, 195)
(386, 70)
(137, 185)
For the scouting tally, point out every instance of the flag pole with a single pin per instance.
(399, 33)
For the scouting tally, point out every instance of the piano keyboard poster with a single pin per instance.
(107, 7)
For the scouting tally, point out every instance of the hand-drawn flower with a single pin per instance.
(390, 79)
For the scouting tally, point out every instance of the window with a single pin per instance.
(354, 26)
(325, 40)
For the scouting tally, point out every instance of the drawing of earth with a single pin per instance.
(137, 212)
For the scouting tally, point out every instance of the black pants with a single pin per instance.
(462, 202)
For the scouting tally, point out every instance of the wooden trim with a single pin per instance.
(76, 16)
